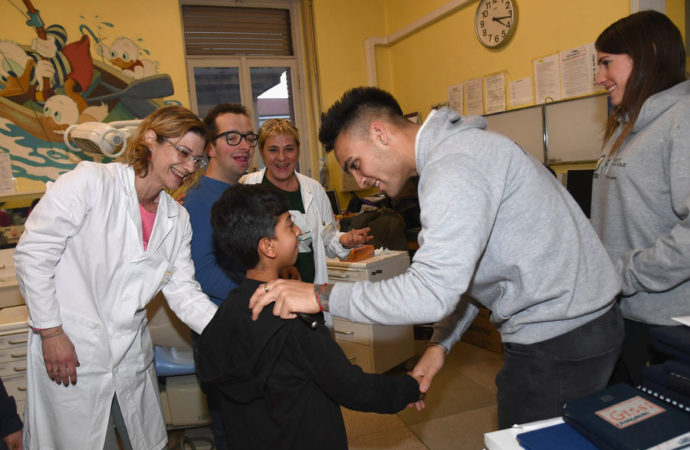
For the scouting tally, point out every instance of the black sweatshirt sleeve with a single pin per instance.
(325, 363)
(9, 419)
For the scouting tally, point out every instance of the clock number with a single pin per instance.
(508, 5)
(484, 32)
(503, 33)
(481, 24)
(496, 39)
(485, 14)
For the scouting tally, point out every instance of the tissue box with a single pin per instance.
(360, 253)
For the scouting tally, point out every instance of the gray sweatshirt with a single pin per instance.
(497, 225)
(640, 208)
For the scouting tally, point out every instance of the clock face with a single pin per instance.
(495, 21)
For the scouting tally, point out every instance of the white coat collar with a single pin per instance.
(168, 210)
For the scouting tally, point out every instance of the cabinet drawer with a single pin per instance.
(336, 275)
(12, 353)
(20, 408)
(16, 387)
(351, 332)
(358, 354)
(14, 339)
(8, 369)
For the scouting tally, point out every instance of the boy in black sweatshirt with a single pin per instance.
(282, 381)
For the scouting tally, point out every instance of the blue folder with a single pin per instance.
(561, 437)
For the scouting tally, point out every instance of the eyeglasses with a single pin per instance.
(187, 155)
(234, 138)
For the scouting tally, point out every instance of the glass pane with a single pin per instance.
(272, 98)
(216, 85)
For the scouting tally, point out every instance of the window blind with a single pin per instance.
(232, 31)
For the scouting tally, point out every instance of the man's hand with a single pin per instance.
(353, 238)
(59, 355)
(428, 366)
(290, 297)
(14, 440)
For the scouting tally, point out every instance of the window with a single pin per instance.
(247, 55)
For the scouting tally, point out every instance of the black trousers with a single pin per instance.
(537, 379)
(637, 354)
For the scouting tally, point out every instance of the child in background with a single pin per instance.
(282, 381)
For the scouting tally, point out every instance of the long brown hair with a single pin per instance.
(655, 46)
(167, 122)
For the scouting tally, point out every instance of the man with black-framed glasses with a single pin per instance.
(231, 149)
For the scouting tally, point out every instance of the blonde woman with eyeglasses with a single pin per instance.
(101, 243)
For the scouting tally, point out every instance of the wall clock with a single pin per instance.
(495, 21)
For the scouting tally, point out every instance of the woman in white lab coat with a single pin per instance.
(103, 240)
(309, 205)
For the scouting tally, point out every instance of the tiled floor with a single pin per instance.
(460, 408)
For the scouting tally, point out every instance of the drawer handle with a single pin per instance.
(376, 272)
(19, 369)
(346, 333)
(21, 341)
(18, 355)
(21, 388)
(339, 277)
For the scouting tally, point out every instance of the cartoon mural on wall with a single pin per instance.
(58, 80)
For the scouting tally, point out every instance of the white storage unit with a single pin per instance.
(375, 348)
(13, 342)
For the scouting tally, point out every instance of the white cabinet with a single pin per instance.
(375, 348)
(9, 290)
(13, 347)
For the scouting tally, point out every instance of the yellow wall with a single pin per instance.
(448, 52)
(340, 29)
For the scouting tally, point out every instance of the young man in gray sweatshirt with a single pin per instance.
(495, 225)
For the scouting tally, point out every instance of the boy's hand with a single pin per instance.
(419, 404)
(290, 297)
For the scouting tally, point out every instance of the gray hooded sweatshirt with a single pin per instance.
(640, 208)
(497, 225)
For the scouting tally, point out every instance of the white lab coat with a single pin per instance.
(319, 215)
(81, 263)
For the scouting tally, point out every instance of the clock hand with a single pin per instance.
(498, 19)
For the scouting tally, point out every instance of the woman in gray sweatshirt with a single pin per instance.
(641, 188)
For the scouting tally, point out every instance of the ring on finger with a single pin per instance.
(266, 288)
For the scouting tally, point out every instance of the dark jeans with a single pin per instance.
(220, 438)
(637, 354)
(537, 379)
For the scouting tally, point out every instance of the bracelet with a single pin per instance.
(318, 295)
(48, 336)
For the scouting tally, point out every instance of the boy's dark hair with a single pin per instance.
(242, 216)
(354, 105)
(223, 108)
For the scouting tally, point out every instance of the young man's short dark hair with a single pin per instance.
(355, 104)
(242, 216)
(223, 108)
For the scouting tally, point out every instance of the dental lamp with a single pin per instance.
(108, 138)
